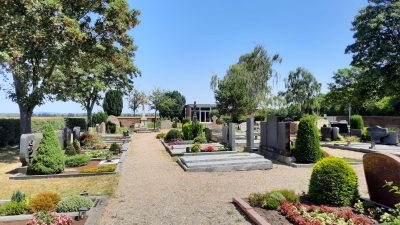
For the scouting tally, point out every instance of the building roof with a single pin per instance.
(202, 105)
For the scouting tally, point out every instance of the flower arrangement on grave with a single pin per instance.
(49, 218)
(209, 149)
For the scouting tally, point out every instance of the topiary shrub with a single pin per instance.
(70, 150)
(197, 128)
(187, 131)
(307, 148)
(77, 146)
(49, 158)
(77, 160)
(356, 122)
(113, 103)
(115, 148)
(73, 203)
(173, 135)
(99, 117)
(44, 201)
(111, 128)
(333, 181)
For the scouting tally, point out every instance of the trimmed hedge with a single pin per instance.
(9, 132)
(49, 158)
(72, 122)
(307, 148)
(356, 122)
(333, 181)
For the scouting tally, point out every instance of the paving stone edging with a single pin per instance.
(311, 165)
(20, 176)
(249, 211)
(93, 214)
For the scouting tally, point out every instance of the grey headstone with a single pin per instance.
(60, 134)
(326, 132)
(283, 138)
(66, 136)
(28, 145)
(225, 134)
(377, 132)
(356, 132)
(114, 120)
(335, 133)
(250, 134)
(102, 129)
(231, 136)
(391, 139)
(76, 133)
(272, 127)
(263, 138)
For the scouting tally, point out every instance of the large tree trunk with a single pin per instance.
(25, 119)
(89, 118)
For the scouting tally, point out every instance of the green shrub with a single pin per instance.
(256, 199)
(259, 117)
(99, 117)
(365, 137)
(187, 131)
(77, 160)
(185, 120)
(121, 130)
(201, 139)
(49, 158)
(115, 148)
(18, 196)
(289, 195)
(356, 122)
(77, 146)
(208, 134)
(89, 140)
(273, 200)
(99, 153)
(197, 128)
(73, 203)
(14, 208)
(111, 128)
(307, 148)
(9, 132)
(70, 150)
(333, 181)
(57, 123)
(195, 148)
(173, 134)
(161, 135)
(113, 103)
(174, 124)
(44, 201)
(72, 122)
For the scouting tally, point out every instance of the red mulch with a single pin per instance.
(24, 222)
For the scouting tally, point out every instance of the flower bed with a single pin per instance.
(209, 149)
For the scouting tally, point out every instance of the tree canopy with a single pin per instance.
(113, 103)
(173, 105)
(37, 37)
(245, 84)
(135, 99)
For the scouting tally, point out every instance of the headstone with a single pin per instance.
(60, 134)
(272, 137)
(342, 125)
(166, 124)
(250, 134)
(231, 136)
(28, 145)
(356, 132)
(377, 133)
(391, 139)
(225, 134)
(102, 128)
(243, 126)
(263, 138)
(335, 133)
(76, 133)
(321, 122)
(326, 132)
(114, 120)
(67, 136)
(378, 168)
(283, 139)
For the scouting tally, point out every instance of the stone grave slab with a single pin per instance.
(29, 143)
(377, 132)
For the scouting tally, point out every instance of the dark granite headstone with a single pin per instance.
(378, 168)
(343, 126)
(377, 133)
(272, 127)
(263, 134)
(335, 133)
(76, 133)
(66, 135)
(283, 139)
(231, 136)
(391, 139)
(326, 132)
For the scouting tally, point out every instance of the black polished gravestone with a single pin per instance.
(343, 127)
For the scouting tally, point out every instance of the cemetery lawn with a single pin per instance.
(9, 161)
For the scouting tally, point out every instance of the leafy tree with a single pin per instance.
(245, 84)
(158, 100)
(301, 89)
(377, 45)
(175, 108)
(36, 37)
(113, 103)
(135, 99)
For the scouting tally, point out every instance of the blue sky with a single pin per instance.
(182, 43)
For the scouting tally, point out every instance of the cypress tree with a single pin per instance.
(113, 103)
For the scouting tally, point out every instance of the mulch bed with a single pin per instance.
(24, 222)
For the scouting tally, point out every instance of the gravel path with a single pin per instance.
(153, 189)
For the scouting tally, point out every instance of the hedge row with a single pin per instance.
(10, 130)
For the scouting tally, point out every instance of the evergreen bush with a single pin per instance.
(173, 134)
(70, 150)
(185, 120)
(77, 160)
(73, 203)
(333, 181)
(44, 201)
(115, 148)
(187, 131)
(77, 146)
(356, 122)
(197, 128)
(113, 103)
(99, 117)
(111, 128)
(49, 158)
(201, 139)
(307, 148)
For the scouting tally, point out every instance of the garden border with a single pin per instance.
(249, 211)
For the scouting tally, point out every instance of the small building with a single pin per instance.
(202, 111)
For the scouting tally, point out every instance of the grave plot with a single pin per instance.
(224, 162)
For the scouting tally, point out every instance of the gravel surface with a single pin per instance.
(153, 189)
